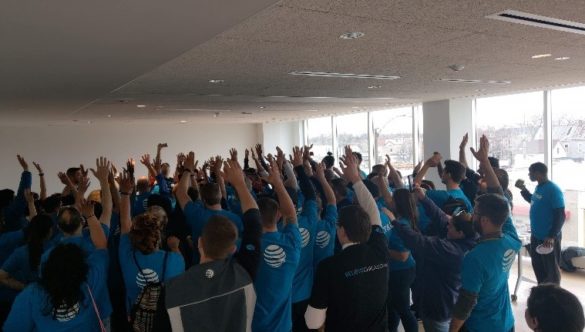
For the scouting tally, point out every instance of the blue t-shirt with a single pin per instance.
(140, 203)
(197, 216)
(485, 272)
(9, 241)
(303, 281)
(17, 265)
(151, 265)
(326, 233)
(440, 197)
(28, 311)
(281, 253)
(395, 243)
(546, 198)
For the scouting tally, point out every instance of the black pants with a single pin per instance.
(399, 283)
(298, 316)
(546, 267)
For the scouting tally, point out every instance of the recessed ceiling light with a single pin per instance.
(469, 81)
(141, 106)
(109, 115)
(216, 81)
(246, 113)
(311, 111)
(374, 87)
(352, 35)
(183, 121)
(261, 107)
(342, 75)
(562, 58)
(539, 56)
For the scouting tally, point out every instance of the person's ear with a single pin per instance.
(233, 250)
(532, 322)
(200, 246)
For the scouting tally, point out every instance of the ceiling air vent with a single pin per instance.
(342, 75)
(459, 80)
(515, 16)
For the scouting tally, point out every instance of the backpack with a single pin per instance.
(143, 312)
(454, 204)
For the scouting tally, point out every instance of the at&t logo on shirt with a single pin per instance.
(274, 256)
(305, 236)
(66, 314)
(509, 257)
(146, 276)
(323, 239)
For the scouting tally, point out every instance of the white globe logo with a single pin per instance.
(274, 256)
(323, 238)
(509, 257)
(146, 276)
(65, 315)
(305, 236)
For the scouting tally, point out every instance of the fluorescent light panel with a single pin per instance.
(515, 16)
(343, 75)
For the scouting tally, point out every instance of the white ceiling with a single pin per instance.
(64, 61)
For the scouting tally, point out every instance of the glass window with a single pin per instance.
(353, 130)
(568, 138)
(319, 133)
(514, 126)
(392, 131)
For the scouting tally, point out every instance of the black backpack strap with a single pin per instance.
(136, 261)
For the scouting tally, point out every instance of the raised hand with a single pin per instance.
(464, 141)
(388, 161)
(484, 148)
(22, 162)
(64, 179)
(320, 171)
(273, 172)
(83, 186)
(247, 154)
(84, 171)
(145, 160)
(190, 162)
(126, 183)
(297, 159)
(307, 152)
(258, 150)
(349, 166)
(434, 160)
(103, 169)
(87, 209)
(232, 173)
(160, 146)
(217, 163)
(130, 166)
(233, 154)
(419, 192)
(38, 167)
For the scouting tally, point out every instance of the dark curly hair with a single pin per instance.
(62, 278)
(36, 233)
(145, 233)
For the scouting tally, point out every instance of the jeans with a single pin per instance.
(398, 302)
(436, 326)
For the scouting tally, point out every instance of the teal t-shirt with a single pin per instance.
(546, 198)
(326, 233)
(440, 197)
(395, 243)
(485, 272)
(281, 253)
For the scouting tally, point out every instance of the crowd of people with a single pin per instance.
(287, 244)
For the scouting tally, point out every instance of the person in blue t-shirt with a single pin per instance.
(402, 266)
(198, 213)
(484, 300)
(281, 252)
(547, 216)
(326, 230)
(141, 260)
(307, 220)
(452, 175)
(22, 267)
(67, 296)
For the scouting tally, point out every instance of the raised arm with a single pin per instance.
(383, 188)
(145, 160)
(233, 173)
(102, 172)
(396, 179)
(96, 232)
(329, 194)
(115, 194)
(304, 181)
(126, 188)
(431, 162)
(183, 186)
(291, 179)
(287, 208)
(216, 166)
(462, 146)
(484, 163)
(350, 171)
(30, 202)
(42, 182)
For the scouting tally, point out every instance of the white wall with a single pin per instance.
(57, 148)
(282, 134)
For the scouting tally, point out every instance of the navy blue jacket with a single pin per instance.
(439, 260)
